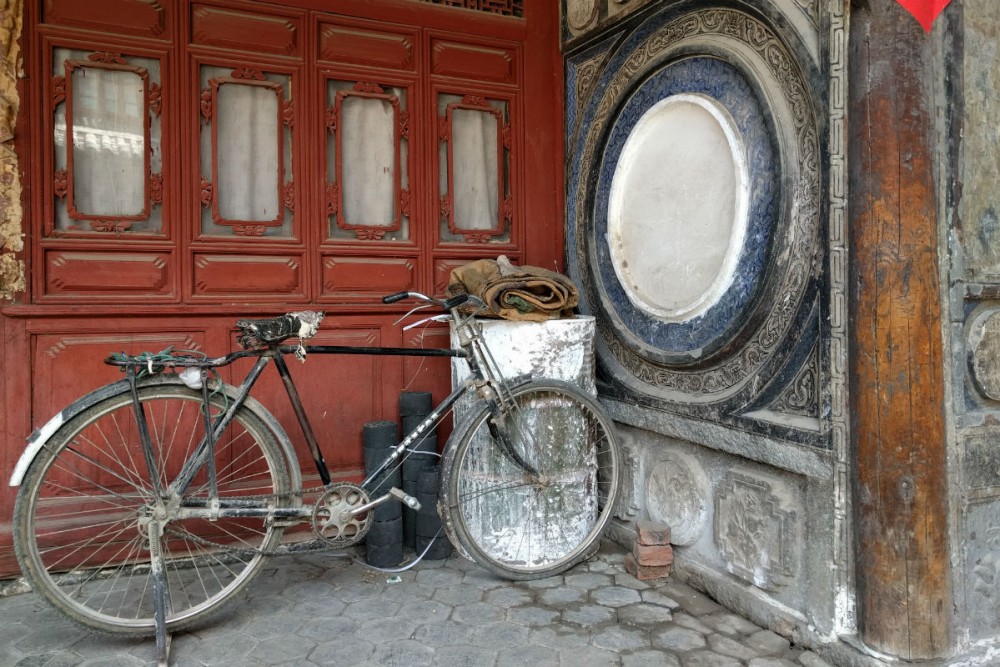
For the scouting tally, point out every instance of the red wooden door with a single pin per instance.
(186, 163)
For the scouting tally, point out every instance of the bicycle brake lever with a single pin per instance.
(432, 318)
(411, 311)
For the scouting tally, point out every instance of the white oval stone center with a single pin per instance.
(677, 213)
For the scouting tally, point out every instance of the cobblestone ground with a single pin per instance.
(316, 610)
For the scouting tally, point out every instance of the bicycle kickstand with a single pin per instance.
(160, 602)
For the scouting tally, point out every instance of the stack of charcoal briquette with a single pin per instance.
(384, 542)
(394, 525)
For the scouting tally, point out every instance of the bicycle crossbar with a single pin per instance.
(378, 351)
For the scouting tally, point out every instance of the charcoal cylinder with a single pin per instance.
(429, 533)
(417, 403)
(384, 541)
(414, 406)
(380, 437)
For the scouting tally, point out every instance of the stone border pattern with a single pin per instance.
(763, 344)
(837, 274)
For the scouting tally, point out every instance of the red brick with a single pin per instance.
(645, 572)
(653, 554)
(650, 532)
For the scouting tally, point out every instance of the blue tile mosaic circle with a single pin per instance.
(727, 86)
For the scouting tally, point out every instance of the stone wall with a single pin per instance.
(733, 407)
(970, 187)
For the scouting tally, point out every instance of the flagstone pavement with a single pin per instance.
(314, 609)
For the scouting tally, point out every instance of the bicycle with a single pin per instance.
(148, 504)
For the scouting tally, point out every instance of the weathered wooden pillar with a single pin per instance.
(897, 387)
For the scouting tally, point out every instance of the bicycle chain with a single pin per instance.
(324, 545)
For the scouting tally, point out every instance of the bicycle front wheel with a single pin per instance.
(81, 516)
(526, 525)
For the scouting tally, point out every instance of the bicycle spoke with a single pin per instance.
(80, 507)
(524, 524)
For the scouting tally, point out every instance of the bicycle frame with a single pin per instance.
(470, 348)
(151, 520)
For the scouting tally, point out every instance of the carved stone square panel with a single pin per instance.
(757, 530)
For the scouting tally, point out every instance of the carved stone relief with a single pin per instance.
(984, 347)
(581, 14)
(981, 462)
(629, 340)
(678, 494)
(801, 396)
(756, 530)
(982, 546)
(631, 482)
(810, 8)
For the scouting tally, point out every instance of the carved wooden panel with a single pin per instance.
(475, 142)
(235, 276)
(107, 175)
(144, 18)
(367, 277)
(367, 173)
(247, 120)
(129, 137)
(233, 29)
(502, 7)
(468, 61)
(180, 263)
(92, 274)
(355, 46)
(67, 365)
(442, 272)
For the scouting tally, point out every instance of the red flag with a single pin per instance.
(925, 11)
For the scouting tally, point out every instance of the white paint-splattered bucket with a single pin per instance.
(553, 349)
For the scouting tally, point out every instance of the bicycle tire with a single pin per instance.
(522, 527)
(77, 532)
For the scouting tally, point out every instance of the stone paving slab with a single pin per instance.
(312, 609)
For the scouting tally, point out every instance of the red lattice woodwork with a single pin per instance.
(335, 193)
(100, 284)
(110, 61)
(505, 207)
(245, 76)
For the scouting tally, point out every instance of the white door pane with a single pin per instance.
(368, 162)
(247, 139)
(108, 114)
(475, 178)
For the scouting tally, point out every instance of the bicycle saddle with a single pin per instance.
(260, 333)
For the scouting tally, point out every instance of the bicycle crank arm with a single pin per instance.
(402, 497)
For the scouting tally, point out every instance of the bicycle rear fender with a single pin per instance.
(37, 440)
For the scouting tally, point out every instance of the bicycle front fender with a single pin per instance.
(40, 436)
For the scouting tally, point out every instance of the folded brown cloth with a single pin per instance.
(516, 292)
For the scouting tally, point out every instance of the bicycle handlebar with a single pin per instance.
(393, 298)
(447, 304)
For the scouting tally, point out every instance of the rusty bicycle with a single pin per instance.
(149, 503)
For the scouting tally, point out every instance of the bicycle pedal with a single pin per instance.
(405, 498)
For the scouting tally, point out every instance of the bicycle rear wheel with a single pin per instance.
(80, 520)
(527, 526)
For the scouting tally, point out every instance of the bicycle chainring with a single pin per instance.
(332, 520)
